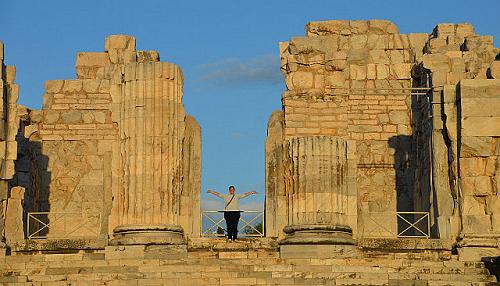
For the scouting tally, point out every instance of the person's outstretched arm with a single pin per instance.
(215, 193)
(248, 194)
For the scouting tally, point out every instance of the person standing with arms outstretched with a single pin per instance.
(232, 210)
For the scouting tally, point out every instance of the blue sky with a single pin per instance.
(228, 51)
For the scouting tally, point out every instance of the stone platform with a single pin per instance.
(248, 262)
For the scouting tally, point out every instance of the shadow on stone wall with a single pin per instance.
(404, 165)
(32, 174)
(493, 265)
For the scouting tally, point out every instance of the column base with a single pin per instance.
(157, 234)
(477, 247)
(318, 234)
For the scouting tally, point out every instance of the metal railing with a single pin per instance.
(421, 225)
(397, 224)
(216, 227)
(43, 225)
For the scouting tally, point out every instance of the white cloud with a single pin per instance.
(262, 69)
(211, 205)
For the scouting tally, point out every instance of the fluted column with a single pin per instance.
(316, 187)
(152, 123)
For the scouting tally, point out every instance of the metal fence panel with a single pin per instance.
(43, 225)
(246, 228)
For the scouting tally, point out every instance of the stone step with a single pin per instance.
(204, 269)
(130, 280)
(101, 266)
(23, 262)
(126, 274)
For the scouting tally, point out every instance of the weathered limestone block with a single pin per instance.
(72, 86)
(473, 43)
(9, 122)
(480, 105)
(494, 70)
(401, 71)
(276, 202)
(122, 56)
(53, 86)
(14, 227)
(10, 74)
(300, 80)
(315, 183)
(476, 146)
(346, 28)
(191, 187)
(88, 63)
(474, 88)
(338, 27)
(147, 56)
(124, 42)
(121, 49)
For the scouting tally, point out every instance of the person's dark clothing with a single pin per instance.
(232, 218)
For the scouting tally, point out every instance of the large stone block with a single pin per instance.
(300, 80)
(122, 56)
(473, 167)
(147, 56)
(477, 253)
(477, 224)
(399, 117)
(436, 62)
(382, 27)
(444, 30)
(10, 73)
(481, 106)
(14, 227)
(92, 59)
(417, 41)
(476, 146)
(464, 30)
(401, 71)
(71, 86)
(494, 70)
(318, 251)
(480, 88)
(481, 126)
(332, 27)
(53, 86)
(124, 42)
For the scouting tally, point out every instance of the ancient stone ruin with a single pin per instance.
(382, 168)
(113, 148)
(375, 122)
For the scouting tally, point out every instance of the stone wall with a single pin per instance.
(113, 146)
(479, 155)
(457, 131)
(479, 166)
(9, 123)
(412, 109)
(351, 79)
